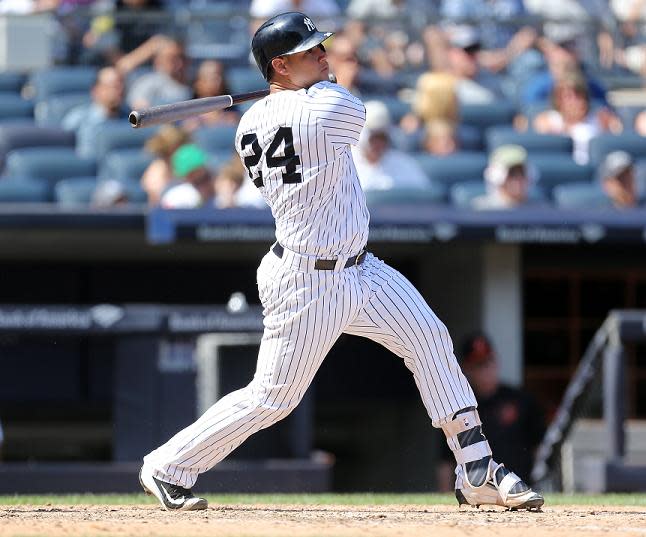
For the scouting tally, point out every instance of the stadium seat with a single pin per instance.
(16, 135)
(12, 81)
(136, 195)
(484, 116)
(24, 190)
(74, 191)
(531, 141)
(52, 111)
(216, 139)
(118, 134)
(462, 194)
(124, 164)
(57, 80)
(13, 106)
(434, 194)
(606, 143)
(559, 169)
(50, 163)
(396, 107)
(461, 166)
(580, 196)
(244, 79)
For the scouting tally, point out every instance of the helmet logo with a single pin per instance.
(310, 25)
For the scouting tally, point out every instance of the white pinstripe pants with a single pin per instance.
(305, 313)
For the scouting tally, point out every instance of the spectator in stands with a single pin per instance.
(561, 55)
(115, 35)
(475, 84)
(504, 38)
(572, 115)
(435, 99)
(196, 187)
(618, 179)
(507, 180)
(167, 83)
(379, 166)
(210, 82)
(227, 184)
(515, 421)
(265, 9)
(441, 138)
(640, 123)
(344, 62)
(107, 103)
(109, 194)
(159, 173)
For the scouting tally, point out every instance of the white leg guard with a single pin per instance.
(479, 479)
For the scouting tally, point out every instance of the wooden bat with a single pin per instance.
(167, 113)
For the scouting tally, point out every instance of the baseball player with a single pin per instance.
(318, 281)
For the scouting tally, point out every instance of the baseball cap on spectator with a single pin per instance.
(186, 159)
(476, 350)
(563, 35)
(615, 163)
(502, 160)
(377, 116)
(465, 37)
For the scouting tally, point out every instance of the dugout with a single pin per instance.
(539, 282)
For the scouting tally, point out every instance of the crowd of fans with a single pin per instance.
(421, 66)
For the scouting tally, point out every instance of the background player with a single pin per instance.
(318, 282)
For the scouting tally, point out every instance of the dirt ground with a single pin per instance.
(315, 521)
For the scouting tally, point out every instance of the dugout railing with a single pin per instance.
(603, 365)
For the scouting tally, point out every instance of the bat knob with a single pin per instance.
(133, 118)
(331, 77)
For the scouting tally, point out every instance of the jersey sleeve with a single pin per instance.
(340, 114)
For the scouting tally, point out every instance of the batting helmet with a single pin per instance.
(287, 33)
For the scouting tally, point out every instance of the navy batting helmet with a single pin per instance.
(287, 33)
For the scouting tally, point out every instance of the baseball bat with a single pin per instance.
(167, 113)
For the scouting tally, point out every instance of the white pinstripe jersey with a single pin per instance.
(296, 148)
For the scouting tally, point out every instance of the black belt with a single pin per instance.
(325, 264)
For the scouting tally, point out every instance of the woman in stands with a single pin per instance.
(159, 174)
(572, 115)
(211, 82)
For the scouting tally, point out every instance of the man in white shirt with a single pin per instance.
(379, 166)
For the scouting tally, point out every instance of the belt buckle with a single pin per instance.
(356, 259)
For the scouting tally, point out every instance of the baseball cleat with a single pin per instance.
(502, 487)
(172, 497)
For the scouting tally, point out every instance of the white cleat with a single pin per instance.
(172, 497)
(502, 487)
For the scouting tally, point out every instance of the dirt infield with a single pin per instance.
(318, 521)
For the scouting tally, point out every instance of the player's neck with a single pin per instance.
(282, 85)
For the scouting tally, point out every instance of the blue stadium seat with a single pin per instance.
(136, 194)
(396, 107)
(57, 80)
(531, 141)
(484, 116)
(433, 194)
(52, 111)
(13, 106)
(124, 164)
(216, 139)
(118, 134)
(461, 166)
(606, 143)
(580, 196)
(12, 81)
(559, 169)
(24, 190)
(50, 163)
(462, 194)
(74, 191)
(17, 135)
(244, 79)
